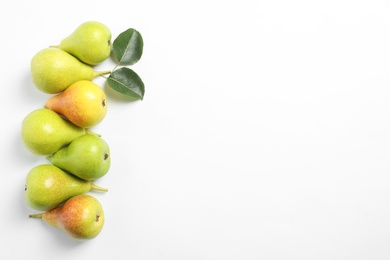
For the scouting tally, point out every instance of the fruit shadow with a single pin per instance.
(114, 95)
(58, 239)
(61, 240)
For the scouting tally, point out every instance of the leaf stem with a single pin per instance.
(101, 73)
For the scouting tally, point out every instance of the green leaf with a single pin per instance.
(128, 47)
(127, 82)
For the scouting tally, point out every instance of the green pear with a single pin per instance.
(90, 42)
(83, 103)
(87, 157)
(47, 186)
(81, 217)
(45, 132)
(53, 70)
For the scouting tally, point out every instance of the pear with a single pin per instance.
(83, 103)
(53, 70)
(90, 42)
(47, 186)
(81, 217)
(87, 157)
(45, 132)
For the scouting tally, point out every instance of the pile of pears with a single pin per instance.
(60, 131)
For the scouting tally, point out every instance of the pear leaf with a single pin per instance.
(127, 48)
(127, 82)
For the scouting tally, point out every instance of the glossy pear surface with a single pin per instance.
(53, 70)
(81, 217)
(45, 132)
(84, 103)
(47, 186)
(87, 157)
(90, 42)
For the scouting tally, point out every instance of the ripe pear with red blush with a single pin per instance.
(83, 103)
(81, 217)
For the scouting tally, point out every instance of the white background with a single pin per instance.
(264, 132)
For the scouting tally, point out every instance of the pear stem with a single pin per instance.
(101, 73)
(95, 187)
(35, 215)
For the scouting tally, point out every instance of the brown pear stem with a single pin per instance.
(101, 73)
(95, 187)
(35, 215)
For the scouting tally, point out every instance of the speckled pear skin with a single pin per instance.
(90, 42)
(47, 186)
(45, 132)
(53, 70)
(81, 217)
(84, 103)
(87, 157)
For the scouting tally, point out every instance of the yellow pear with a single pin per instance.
(83, 103)
(44, 131)
(53, 70)
(47, 186)
(90, 42)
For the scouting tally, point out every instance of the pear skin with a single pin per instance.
(87, 157)
(53, 70)
(47, 186)
(90, 42)
(81, 217)
(44, 131)
(83, 103)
